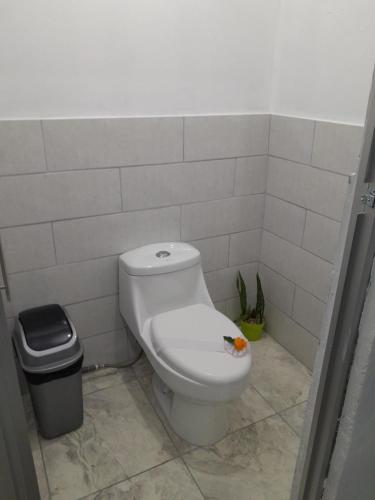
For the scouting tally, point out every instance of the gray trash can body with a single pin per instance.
(51, 357)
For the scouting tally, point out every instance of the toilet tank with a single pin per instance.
(159, 278)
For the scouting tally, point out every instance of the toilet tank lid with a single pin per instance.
(159, 258)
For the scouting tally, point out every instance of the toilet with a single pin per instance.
(165, 302)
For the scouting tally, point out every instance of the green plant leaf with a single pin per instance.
(241, 288)
(259, 308)
(229, 339)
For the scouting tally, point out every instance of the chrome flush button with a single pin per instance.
(162, 254)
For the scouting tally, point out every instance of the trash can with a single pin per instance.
(51, 357)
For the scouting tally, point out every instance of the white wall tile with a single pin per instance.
(222, 283)
(162, 185)
(292, 336)
(308, 311)
(8, 306)
(92, 237)
(27, 199)
(277, 289)
(28, 247)
(251, 175)
(112, 347)
(106, 142)
(96, 316)
(64, 284)
(299, 266)
(337, 147)
(221, 306)
(11, 324)
(291, 138)
(284, 219)
(21, 147)
(214, 252)
(244, 247)
(201, 220)
(309, 187)
(321, 236)
(209, 137)
(233, 308)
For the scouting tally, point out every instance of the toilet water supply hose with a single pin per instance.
(93, 368)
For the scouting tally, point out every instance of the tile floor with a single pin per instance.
(126, 450)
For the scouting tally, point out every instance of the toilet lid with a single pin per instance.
(190, 340)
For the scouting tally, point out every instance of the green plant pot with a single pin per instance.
(252, 331)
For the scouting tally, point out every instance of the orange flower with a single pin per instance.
(239, 343)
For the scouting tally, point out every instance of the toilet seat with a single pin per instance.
(190, 341)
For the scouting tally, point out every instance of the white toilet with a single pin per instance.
(165, 302)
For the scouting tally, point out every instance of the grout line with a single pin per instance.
(54, 246)
(91, 300)
(297, 246)
(293, 301)
(309, 165)
(224, 235)
(280, 414)
(313, 143)
(102, 333)
(44, 464)
(183, 138)
(121, 193)
(113, 167)
(192, 475)
(304, 208)
(180, 222)
(63, 264)
(44, 148)
(132, 211)
(303, 230)
(127, 478)
(153, 467)
(310, 370)
(296, 322)
(235, 176)
(295, 287)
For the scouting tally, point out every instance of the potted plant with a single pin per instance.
(251, 321)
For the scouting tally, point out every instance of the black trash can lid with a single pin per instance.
(45, 327)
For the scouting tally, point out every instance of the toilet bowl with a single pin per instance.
(165, 302)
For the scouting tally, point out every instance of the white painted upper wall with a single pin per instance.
(324, 58)
(66, 58)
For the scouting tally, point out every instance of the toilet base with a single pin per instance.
(197, 422)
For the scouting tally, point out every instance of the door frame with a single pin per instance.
(18, 477)
(351, 276)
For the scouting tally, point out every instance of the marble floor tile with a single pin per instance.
(102, 379)
(277, 375)
(254, 463)
(36, 452)
(165, 482)
(294, 417)
(121, 436)
(249, 408)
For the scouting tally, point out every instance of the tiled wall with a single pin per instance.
(74, 194)
(309, 165)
